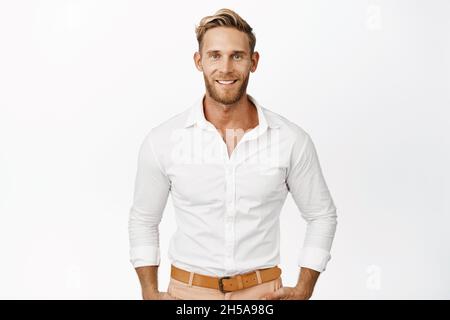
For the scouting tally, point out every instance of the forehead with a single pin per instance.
(225, 39)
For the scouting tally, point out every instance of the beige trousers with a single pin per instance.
(184, 291)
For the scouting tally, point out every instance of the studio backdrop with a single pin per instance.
(83, 82)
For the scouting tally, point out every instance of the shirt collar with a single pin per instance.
(197, 115)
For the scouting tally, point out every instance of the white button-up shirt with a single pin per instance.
(227, 208)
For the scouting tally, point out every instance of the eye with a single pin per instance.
(215, 56)
(237, 57)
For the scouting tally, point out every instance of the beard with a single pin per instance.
(227, 96)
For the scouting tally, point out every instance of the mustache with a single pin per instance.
(229, 77)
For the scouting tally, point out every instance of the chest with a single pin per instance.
(216, 168)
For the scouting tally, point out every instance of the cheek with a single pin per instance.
(207, 69)
(244, 67)
(208, 78)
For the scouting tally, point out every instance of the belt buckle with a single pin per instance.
(221, 284)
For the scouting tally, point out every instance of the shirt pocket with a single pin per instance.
(197, 184)
(261, 182)
(269, 170)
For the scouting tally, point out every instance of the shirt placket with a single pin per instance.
(230, 200)
(230, 215)
(231, 164)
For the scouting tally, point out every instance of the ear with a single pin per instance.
(255, 59)
(198, 61)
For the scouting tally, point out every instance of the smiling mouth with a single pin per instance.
(226, 82)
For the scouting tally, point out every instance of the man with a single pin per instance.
(228, 163)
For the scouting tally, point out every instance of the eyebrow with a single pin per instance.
(233, 52)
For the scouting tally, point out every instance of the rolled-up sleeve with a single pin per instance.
(151, 191)
(309, 190)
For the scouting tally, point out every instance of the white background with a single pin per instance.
(82, 82)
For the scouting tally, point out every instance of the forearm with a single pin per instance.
(148, 277)
(307, 279)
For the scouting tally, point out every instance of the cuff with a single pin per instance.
(314, 258)
(145, 256)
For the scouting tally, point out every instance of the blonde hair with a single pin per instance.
(225, 18)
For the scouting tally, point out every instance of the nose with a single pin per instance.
(227, 65)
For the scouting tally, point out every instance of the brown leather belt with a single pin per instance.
(227, 284)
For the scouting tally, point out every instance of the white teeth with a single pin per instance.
(226, 82)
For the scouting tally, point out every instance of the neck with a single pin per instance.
(240, 115)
